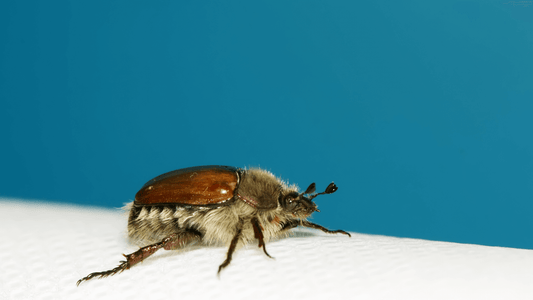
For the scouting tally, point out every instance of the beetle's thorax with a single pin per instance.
(261, 189)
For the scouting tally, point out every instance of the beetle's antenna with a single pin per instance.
(332, 188)
(311, 189)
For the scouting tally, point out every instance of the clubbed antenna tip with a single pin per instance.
(332, 188)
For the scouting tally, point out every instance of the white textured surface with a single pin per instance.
(47, 248)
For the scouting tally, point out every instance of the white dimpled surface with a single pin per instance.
(46, 248)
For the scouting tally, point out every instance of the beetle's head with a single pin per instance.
(300, 205)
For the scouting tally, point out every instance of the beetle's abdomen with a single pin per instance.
(206, 185)
(152, 223)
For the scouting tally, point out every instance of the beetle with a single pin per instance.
(215, 205)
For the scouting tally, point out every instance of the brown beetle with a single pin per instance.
(215, 205)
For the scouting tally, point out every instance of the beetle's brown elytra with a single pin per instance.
(215, 205)
(191, 186)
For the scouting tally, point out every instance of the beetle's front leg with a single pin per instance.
(316, 226)
(294, 223)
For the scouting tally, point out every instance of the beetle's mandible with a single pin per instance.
(215, 205)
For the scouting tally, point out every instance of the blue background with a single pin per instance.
(420, 111)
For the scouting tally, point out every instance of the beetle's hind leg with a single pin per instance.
(172, 242)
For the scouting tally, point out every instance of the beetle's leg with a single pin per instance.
(232, 246)
(173, 241)
(293, 224)
(316, 226)
(259, 234)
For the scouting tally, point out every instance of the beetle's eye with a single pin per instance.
(290, 202)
